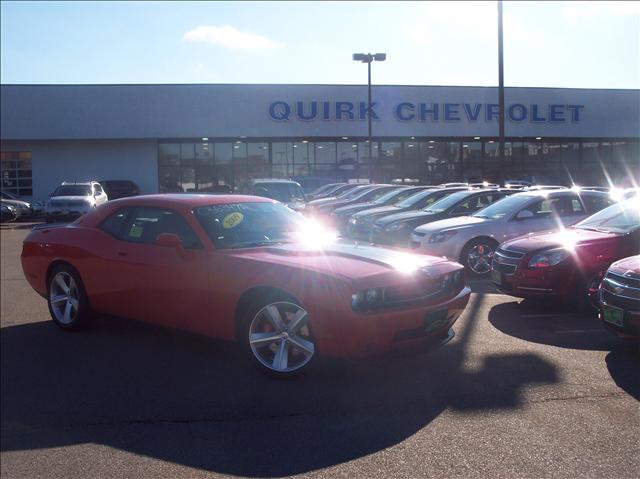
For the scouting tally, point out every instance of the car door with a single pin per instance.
(153, 283)
(99, 194)
(539, 217)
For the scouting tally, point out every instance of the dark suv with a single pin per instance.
(119, 188)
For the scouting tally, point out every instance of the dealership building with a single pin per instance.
(209, 137)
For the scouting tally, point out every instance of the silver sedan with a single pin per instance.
(472, 240)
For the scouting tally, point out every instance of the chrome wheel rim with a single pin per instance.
(280, 337)
(479, 258)
(64, 298)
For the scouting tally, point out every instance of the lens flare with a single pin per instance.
(315, 234)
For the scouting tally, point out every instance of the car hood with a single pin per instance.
(407, 216)
(362, 265)
(18, 203)
(569, 237)
(381, 210)
(321, 201)
(627, 267)
(72, 198)
(458, 223)
(351, 209)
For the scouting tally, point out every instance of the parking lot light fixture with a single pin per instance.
(368, 58)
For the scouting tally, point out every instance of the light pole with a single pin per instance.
(368, 58)
(500, 95)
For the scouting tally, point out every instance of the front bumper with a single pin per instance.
(626, 322)
(365, 334)
(516, 280)
(399, 238)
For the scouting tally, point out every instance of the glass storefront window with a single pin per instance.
(389, 162)
(258, 160)
(590, 169)
(15, 172)
(472, 161)
(348, 164)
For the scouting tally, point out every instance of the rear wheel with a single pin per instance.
(277, 336)
(477, 255)
(66, 298)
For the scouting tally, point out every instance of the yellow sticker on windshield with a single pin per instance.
(232, 220)
(135, 231)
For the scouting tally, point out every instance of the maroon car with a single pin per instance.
(620, 298)
(568, 263)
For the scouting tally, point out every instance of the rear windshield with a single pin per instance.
(72, 190)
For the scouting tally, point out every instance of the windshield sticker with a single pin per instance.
(135, 231)
(232, 220)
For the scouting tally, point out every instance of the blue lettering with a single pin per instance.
(279, 110)
(492, 111)
(326, 110)
(425, 111)
(575, 112)
(365, 110)
(472, 115)
(451, 109)
(556, 113)
(311, 115)
(399, 114)
(522, 115)
(534, 114)
(344, 108)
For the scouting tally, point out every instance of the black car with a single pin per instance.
(368, 193)
(340, 217)
(119, 188)
(360, 224)
(396, 229)
(8, 213)
(323, 191)
(313, 206)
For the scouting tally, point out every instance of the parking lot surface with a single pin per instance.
(523, 390)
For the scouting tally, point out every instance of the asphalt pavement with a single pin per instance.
(524, 390)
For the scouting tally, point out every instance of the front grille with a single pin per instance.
(509, 254)
(504, 268)
(629, 281)
(625, 303)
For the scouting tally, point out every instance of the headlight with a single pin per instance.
(366, 299)
(548, 258)
(442, 236)
(395, 226)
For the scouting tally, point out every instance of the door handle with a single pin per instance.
(122, 253)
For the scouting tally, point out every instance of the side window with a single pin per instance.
(596, 203)
(114, 224)
(464, 208)
(145, 224)
(97, 189)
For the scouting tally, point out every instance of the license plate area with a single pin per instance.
(613, 316)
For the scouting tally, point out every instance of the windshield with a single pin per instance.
(619, 218)
(503, 207)
(447, 202)
(416, 198)
(357, 193)
(389, 196)
(284, 192)
(238, 225)
(72, 190)
(324, 189)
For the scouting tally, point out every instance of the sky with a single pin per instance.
(547, 44)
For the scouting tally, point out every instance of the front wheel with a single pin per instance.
(278, 338)
(477, 255)
(66, 298)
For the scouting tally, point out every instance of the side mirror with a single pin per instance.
(170, 240)
(524, 214)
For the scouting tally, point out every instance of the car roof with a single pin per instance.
(273, 180)
(188, 200)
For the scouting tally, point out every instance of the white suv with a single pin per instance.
(74, 199)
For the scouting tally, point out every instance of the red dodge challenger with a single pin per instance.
(247, 269)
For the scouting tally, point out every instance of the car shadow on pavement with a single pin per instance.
(194, 401)
(549, 323)
(622, 364)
